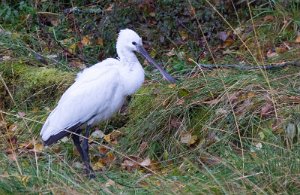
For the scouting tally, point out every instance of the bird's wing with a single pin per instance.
(88, 96)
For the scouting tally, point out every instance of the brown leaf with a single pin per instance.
(38, 148)
(112, 137)
(129, 165)
(13, 140)
(175, 122)
(86, 41)
(110, 7)
(143, 147)
(192, 11)
(77, 64)
(271, 54)
(267, 109)
(210, 160)
(298, 39)
(13, 127)
(268, 18)
(98, 166)
(212, 102)
(99, 41)
(103, 150)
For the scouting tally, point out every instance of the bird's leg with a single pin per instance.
(76, 141)
(85, 149)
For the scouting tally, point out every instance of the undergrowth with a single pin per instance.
(221, 131)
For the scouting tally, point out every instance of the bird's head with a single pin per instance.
(131, 41)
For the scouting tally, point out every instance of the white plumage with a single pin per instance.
(99, 91)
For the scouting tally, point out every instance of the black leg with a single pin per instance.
(76, 141)
(85, 149)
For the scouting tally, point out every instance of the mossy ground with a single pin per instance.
(215, 132)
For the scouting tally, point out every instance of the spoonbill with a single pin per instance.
(97, 93)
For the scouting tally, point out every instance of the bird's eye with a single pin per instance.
(133, 43)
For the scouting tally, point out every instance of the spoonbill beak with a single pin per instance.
(166, 75)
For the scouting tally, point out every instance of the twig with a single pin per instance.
(249, 67)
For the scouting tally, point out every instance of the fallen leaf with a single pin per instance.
(5, 58)
(77, 64)
(77, 165)
(268, 18)
(152, 14)
(171, 53)
(103, 150)
(258, 146)
(86, 40)
(298, 38)
(146, 162)
(184, 35)
(212, 102)
(228, 42)
(12, 156)
(13, 127)
(267, 109)
(97, 134)
(13, 140)
(143, 147)
(98, 166)
(175, 122)
(192, 11)
(110, 7)
(72, 48)
(185, 138)
(99, 41)
(38, 148)
(129, 165)
(271, 54)
(210, 160)
(110, 183)
(188, 138)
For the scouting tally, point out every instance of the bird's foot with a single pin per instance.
(89, 171)
(91, 175)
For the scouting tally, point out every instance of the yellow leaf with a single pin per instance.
(193, 139)
(72, 48)
(38, 148)
(85, 41)
(107, 138)
(184, 35)
(98, 166)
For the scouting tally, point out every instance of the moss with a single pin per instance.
(33, 86)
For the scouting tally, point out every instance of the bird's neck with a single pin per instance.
(128, 57)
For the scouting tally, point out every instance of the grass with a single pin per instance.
(215, 132)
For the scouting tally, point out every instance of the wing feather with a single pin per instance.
(90, 95)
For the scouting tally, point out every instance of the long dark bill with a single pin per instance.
(166, 75)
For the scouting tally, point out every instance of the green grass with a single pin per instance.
(245, 124)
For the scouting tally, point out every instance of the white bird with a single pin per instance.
(97, 93)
